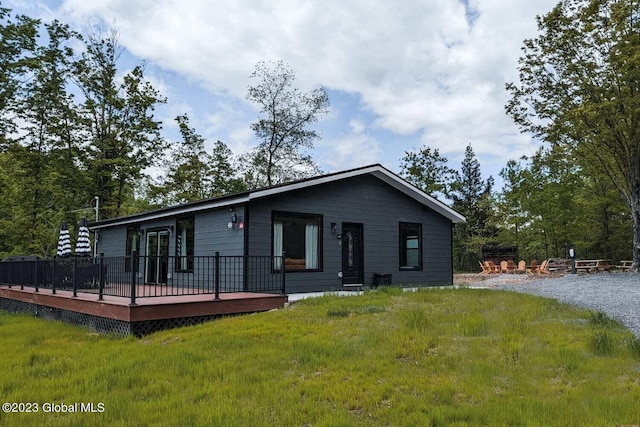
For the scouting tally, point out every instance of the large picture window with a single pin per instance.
(300, 237)
(184, 245)
(410, 246)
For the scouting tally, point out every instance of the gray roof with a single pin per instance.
(375, 170)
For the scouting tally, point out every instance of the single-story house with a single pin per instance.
(358, 227)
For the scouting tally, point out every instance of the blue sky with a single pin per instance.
(399, 74)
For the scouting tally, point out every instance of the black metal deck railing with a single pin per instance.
(141, 276)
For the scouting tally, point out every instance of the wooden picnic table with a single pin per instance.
(624, 265)
(593, 265)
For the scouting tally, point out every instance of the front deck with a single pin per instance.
(110, 294)
(117, 315)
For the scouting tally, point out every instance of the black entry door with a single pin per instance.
(352, 254)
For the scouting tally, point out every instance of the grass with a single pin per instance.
(433, 357)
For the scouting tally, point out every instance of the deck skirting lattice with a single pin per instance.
(100, 324)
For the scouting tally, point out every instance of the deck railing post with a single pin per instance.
(53, 277)
(10, 273)
(101, 276)
(22, 273)
(35, 274)
(282, 268)
(216, 280)
(75, 277)
(134, 265)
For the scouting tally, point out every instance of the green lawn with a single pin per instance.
(433, 357)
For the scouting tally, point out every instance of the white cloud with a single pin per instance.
(432, 70)
(349, 151)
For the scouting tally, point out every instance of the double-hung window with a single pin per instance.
(184, 245)
(300, 237)
(410, 246)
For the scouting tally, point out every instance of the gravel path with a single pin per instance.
(615, 294)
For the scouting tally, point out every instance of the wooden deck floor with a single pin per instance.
(163, 308)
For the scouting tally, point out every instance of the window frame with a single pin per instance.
(279, 215)
(190, 248)
(404, 228)
(131, 232)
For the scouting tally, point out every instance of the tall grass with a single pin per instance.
(434, 357)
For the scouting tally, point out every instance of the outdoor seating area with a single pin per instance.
(624, 265)
(555, 265)
(594, 265)
(510, 267)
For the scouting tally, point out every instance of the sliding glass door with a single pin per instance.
(157, 264)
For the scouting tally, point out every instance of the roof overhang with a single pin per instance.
(172, 212)
(377, 171)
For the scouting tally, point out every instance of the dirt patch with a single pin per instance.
(491, 280)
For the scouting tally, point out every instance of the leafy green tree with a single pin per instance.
(44, 152)
(284, 127)
(49, 147)
(124, 137)
(550, 203)
(428, 170)
(9, 192)
(578, 88)
(192, 173)
(18, 38)
(541, 195)
(225, 171)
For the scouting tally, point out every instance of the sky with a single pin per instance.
(399, 75)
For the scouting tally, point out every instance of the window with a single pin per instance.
(410, 246)
(300, 237)
(133, 244)
(184, 245)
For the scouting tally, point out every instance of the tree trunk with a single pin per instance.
(635, 215)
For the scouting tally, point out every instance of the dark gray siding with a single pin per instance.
(211, 235)
(112, 241)
(380, 208)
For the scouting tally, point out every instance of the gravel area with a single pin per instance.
(614, 294)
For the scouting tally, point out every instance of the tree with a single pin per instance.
(192, 173)
(579, 88)
(124, 137)
(17, 43)
(549, 203)
(427, 170)
(284, 127)
(471, 197)
(224, 171)
(48, 149)
(539, 201)
(469, 192)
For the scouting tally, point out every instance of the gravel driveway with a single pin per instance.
(615, 294)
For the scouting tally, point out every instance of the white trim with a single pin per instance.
(169, 212)
(375, 170)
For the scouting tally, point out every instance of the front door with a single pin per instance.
(352, 254)
(157, 265)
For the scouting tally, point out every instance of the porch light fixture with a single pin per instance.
(234, 218)
(334, 228)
